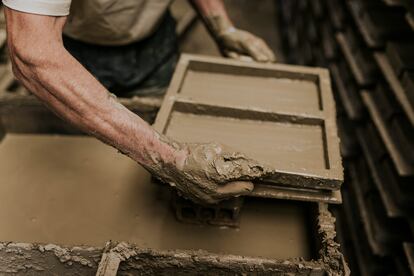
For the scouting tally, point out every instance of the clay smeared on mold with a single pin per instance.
(212, 172)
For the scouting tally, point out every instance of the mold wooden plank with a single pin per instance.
(409, 252)
(357, 59)
(404, 167)
(383, 233)
(337, 13)
(368, 263)
(300, 143)
(395, 191)
(400, 56)
(378, 23)
(395, 85)
(408, 85)
(347, 90)
(328, 44)
(410, 20)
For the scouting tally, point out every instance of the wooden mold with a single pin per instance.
(279, 114)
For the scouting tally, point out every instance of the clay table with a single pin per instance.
(64, 197)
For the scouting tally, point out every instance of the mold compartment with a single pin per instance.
(265, 89)
(287, 146)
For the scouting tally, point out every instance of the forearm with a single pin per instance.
(67, 88)
(232, 42)
(72, 93)
(214, 15)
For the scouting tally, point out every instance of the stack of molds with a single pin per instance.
(368, 47)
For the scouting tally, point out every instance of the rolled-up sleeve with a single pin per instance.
(43, 7)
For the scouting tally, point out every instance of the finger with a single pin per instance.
(246, 58)
(255, 52)
(231, 54)
(235, 188)
(261, 47)
(265, 49)
(270, 54)
(234, 55)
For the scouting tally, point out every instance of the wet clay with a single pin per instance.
(210, 173)
(76, 190)
(274, 94)
(298, 148)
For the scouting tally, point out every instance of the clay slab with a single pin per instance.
(279, 114)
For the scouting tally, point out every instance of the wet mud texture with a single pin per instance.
(33, 259)
(78, 191)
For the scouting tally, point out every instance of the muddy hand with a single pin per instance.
(212, 172)
(236, 43)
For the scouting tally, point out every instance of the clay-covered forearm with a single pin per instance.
(214, 15)
(46, 69)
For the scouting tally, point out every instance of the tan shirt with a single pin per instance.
(104, 22)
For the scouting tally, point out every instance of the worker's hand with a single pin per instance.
(212, 172)
(236, 43)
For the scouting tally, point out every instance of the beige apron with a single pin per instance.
(114, 22)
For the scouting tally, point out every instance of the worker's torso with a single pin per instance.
(114, 22)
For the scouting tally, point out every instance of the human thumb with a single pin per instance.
(234, 188)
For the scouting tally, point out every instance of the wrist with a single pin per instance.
(180, 156)
(172, 152)
(220, 25)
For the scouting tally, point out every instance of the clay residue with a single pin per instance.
(95, 194)
(329, 252)
(29, 258)
(34, 259)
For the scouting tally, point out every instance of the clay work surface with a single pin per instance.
(281, 115)
(95, 194)
(74, 191)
